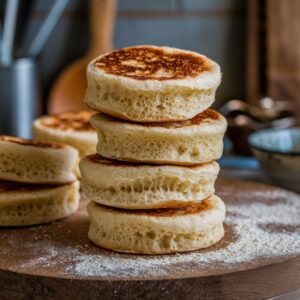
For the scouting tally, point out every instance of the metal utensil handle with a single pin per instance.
(1, 43)
(46, 29)
(10, 20)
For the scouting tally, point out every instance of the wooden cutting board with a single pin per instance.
(57, 261)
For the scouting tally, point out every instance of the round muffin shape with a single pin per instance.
(160, 231)
(152, 84)
(195, 141)
(72, 128)
(36, 162)
(141, 186)
(27, 204)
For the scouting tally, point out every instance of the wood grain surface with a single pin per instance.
(283, 55)
(25, 272)
(253, 82)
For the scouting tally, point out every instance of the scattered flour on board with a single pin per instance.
(259, 231)
(262, 231)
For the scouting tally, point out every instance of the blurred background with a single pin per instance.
(256, 42)
(216, 28)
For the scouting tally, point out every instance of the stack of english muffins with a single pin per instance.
(152, 180)
(37, 182)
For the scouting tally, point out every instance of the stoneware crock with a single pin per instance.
(278, 151)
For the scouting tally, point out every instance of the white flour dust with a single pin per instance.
(261, 231)
(255, 232)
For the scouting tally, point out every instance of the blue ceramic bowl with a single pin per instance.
(278, 151)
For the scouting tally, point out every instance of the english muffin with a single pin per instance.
(36, 162)
(142, 186)
(152, 84)
(195, 141)
(28, 204)
(159, 231)
(72, 128)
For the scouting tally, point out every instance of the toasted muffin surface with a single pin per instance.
(207, 116)
(25, 142)
(159, 231)
(36, 162)
(69, 121)
(189, 208)
(27, 204)
(145, 186)
(154, 63)
(99, 159)
(71, 128)
(190, 142)
(152, 84)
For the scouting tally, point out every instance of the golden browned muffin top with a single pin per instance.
(175, 211)
(155, 63)
(73, 121)
(39, 144)
(204, 117)
(99, 159)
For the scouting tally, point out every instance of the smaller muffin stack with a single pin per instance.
(37, 183)
(152, 181)
(71, 128)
